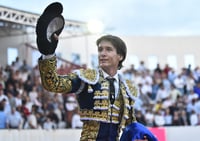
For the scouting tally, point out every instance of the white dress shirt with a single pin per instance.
(116, 82)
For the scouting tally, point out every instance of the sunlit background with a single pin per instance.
(127, 17)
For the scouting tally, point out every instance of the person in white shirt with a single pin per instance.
(31, 122)
(76, 121)
(194, 119)
(159, 119)
(14, 119)
(162, 93)
(192, 95)
(179, 83)
(49, 124)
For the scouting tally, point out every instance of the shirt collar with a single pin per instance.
(105, 75)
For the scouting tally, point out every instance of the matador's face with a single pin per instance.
(108, 57)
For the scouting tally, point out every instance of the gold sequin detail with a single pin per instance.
(51, 81)
(132, 89)
(88, 74)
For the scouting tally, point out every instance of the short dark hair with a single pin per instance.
(119, 45)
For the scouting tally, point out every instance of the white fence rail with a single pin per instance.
(172, 134)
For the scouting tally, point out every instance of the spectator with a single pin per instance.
(168, 117)
(53, 117)
(167, 103)
(142, 67)
(2, 95)
(2, 77)
(138, 79)
(190, 83)
(165, 81)
(14, 119)
(176, 121)
(197, 106)
(11, 99)
(32, 119)
(149, 118)
(18, 99)
(17, 63)
(192, 95)
(191, 106)
(174, 93)
(179, 83)
(25, 67)
(140, 117)
(6, 104)
(71, 107)
(162, 93)
(159, 119)
(146, 89)
(172, 75)
(197, 88)
(166, 69)
(49, 124)
(3, 116)
(155, 88)
(196, 74)
(33, 94)
(184, 118)
(61, 114)
(158, 70)
(194, 118)
(24, 112)
(76, 120)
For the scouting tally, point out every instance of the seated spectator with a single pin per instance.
(192, 95)
(149, 118)
(32, 119)
(159, 119)
(197, 106)
(140, 117)
(167, 103)
(174, 93)
(167, 117)
(48, 124)
(14, 119)
(3, 116)
(176, 121)
(76, 122)
(70, 107)
(197, 88)
(194, 118)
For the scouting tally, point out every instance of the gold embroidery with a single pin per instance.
(51, 80)
(88, 74)
(60, 83)
(90, 131)
(132, 89)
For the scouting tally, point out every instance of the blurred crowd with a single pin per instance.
(24, 104)
(166, 98)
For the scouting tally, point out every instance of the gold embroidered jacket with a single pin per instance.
(93, 97)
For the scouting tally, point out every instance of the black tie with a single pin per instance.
(112, 89)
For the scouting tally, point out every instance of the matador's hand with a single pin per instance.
(49, 26)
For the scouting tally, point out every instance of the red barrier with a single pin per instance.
(159, 132)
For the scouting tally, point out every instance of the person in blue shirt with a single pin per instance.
(3, 117)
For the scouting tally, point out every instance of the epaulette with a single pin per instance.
(131, 89)
(90, 76)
